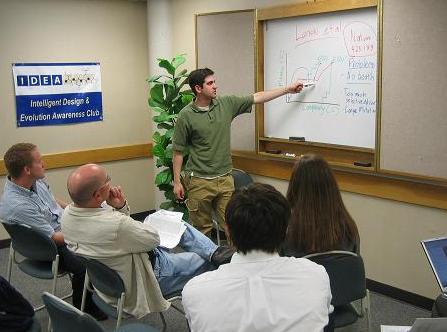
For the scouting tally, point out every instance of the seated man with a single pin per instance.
(258, 290)
(27, 199)
(108, 234)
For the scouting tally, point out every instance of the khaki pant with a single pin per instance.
(206, 196)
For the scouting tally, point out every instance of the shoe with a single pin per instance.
(96, 313)
(222, 255)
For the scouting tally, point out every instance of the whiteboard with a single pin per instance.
(337, 52)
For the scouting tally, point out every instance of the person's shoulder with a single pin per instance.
(302, 264)
(201, 281)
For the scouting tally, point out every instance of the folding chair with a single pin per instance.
(41, 259)
(66, 318)
(108, 282)
(346, 273)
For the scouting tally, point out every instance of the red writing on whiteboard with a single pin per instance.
(360, 39)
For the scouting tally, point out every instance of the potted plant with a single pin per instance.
(167, 97)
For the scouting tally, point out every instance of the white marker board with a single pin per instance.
(338, 52)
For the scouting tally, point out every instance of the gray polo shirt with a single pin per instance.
(36, 208)
(206, 134)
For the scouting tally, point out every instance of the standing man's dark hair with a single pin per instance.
(197, 77)
(17, 157)
(257, 218)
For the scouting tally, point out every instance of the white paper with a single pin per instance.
(394, 328)
(169, 225)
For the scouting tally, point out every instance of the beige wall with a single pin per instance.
(112, 32)
(390, 231)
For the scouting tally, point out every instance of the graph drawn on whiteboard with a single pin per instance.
(336, 53)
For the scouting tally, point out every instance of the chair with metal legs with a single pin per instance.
(108, 282)
(66, 318)
(41, 258)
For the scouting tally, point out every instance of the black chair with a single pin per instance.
(41, 259)
(108, 282)
(241, 179)
(346, 273)
(66, 318)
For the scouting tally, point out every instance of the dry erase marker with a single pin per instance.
(307, 85)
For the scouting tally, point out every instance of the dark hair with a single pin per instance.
(17, 157)
(320, 221)
(197, 77)
(257, 217)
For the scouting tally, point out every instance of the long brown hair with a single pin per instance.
(319, 221)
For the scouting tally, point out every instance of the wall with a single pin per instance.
(390, 231)
(112, 32)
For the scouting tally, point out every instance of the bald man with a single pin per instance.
(107, 233)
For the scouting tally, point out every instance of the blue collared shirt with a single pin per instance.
(37, 207)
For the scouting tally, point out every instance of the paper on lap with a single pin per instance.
(169, 225)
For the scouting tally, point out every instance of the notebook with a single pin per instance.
(436, 251)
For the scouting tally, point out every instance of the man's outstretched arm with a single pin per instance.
(265, 96)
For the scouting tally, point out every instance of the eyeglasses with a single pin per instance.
(108, 180)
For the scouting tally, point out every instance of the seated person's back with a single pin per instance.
(258, 290)
(320, 221)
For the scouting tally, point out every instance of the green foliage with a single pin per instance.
(167, 97)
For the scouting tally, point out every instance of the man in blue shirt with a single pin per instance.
(27, 199)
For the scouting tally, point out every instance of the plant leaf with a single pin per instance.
(157, 94)
(156, 137)
(164, 177)
(158, 150)
(154, 78)
(163, 63)
(165, 125)
(178, 60)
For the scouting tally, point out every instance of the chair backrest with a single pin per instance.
(31, 243)
(66, 318)
(241, 178)
(104, 279)
(346, 274)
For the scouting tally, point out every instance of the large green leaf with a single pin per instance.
(156, 137)
(157, 109)
(165, 125)
(170, 195)
(153, 103)
(164, 177)
(154, 78)
(168, 205)
(169, 133)
(166, 187)
(163, 117)
(168, 153)
(158, 150)
(178, 60)
(163, 63)
(157, 93)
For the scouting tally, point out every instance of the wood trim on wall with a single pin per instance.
(308, 8)
(99, 155)
(370, 184)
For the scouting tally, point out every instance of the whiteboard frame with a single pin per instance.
(340, 154)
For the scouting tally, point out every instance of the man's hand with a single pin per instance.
(116, 198)
(179, 192)
(295, 87)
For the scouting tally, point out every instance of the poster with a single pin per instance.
(57, 93)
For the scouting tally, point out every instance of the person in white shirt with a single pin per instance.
(259, 290)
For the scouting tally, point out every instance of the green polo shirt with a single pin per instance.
(207, 134)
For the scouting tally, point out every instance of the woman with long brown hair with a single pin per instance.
(319, 221)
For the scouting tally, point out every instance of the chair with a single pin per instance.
(241, 179)
(348, 284)
(66, 318)
(41, 259)
(108, 282)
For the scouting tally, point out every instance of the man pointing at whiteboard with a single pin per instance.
(203, 129)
